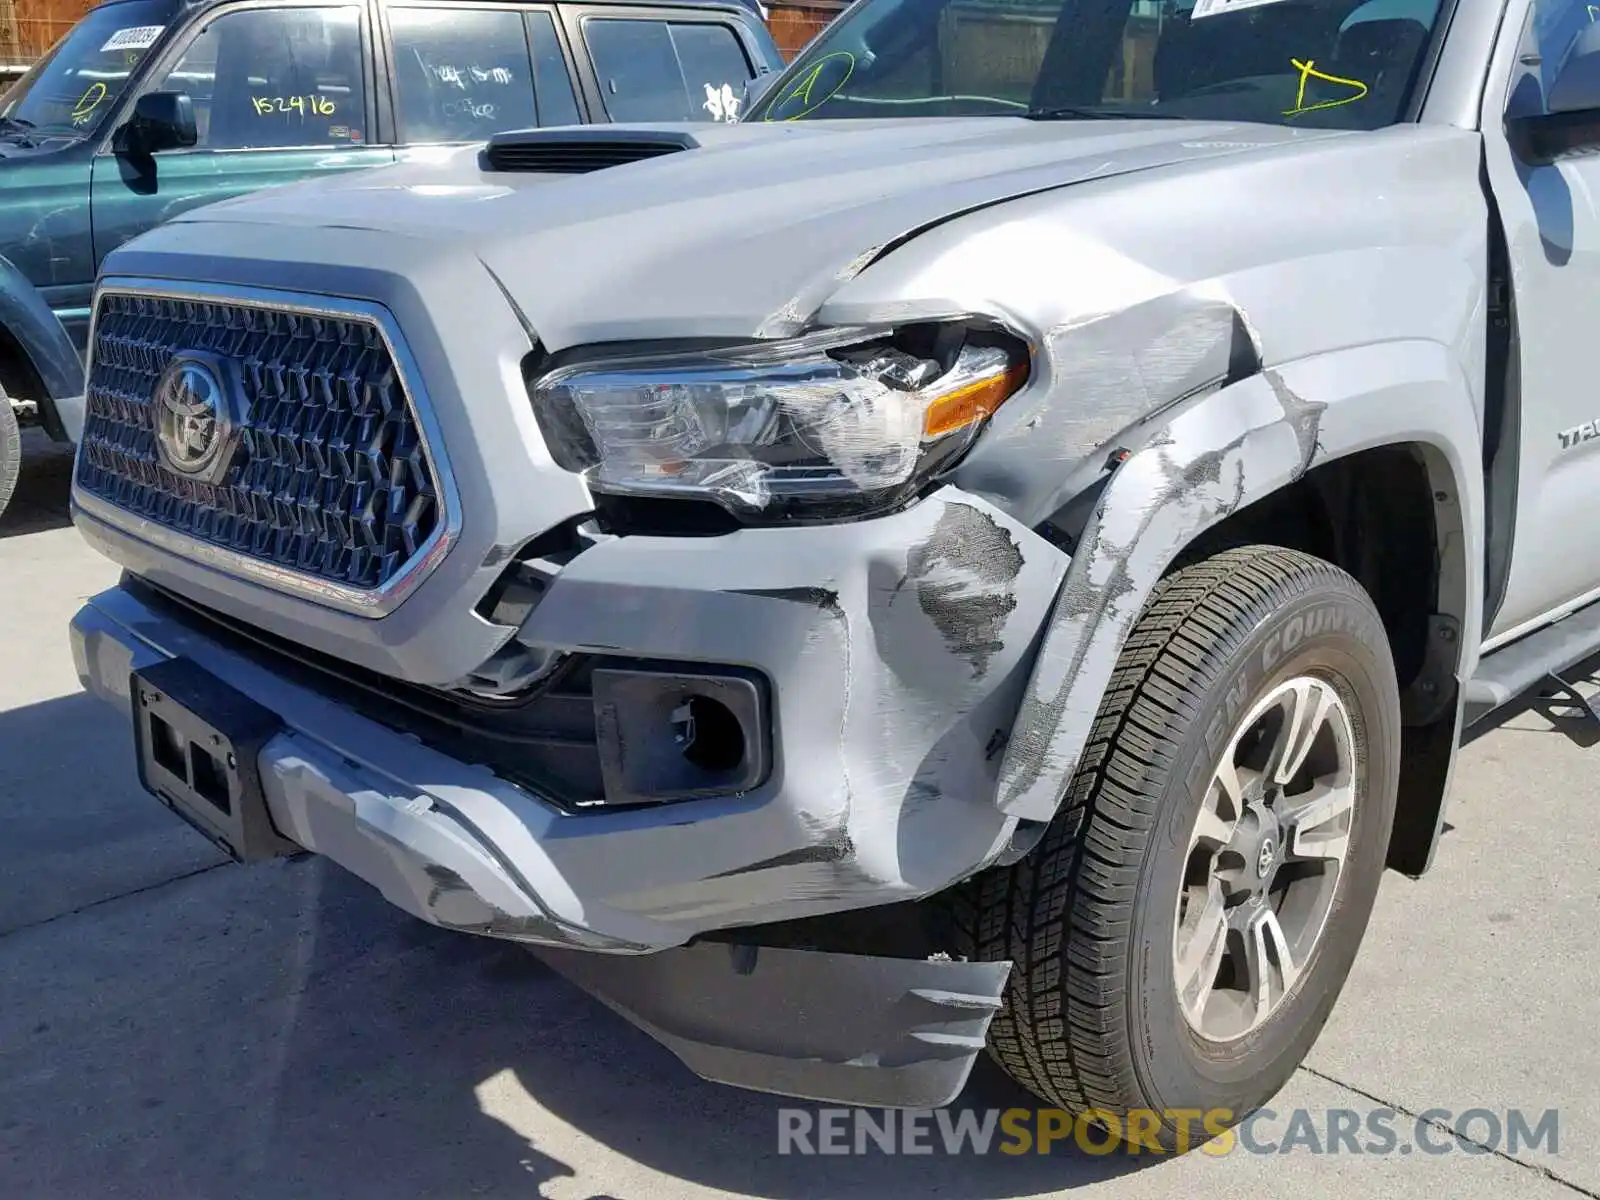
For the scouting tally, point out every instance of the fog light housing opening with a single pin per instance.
(667, 733)
(710, 735)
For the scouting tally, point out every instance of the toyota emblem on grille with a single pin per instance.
(194, 427)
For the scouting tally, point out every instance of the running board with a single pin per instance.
(1540, 660)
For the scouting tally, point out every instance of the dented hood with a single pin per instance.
(745, 234)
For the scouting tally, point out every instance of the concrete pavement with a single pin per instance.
(173, 1027)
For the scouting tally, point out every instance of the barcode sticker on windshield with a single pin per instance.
(1212, 8)
(139, 37)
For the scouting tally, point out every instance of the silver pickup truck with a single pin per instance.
(998, 546)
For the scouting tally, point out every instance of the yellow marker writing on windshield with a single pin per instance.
(807, 83)
(87, 102)
(1308, 72)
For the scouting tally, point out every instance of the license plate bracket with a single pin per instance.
(198, 742)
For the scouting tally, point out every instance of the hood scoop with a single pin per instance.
(581, 150)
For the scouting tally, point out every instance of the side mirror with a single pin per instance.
(1571, 117)
(756, 89)
(160, 121)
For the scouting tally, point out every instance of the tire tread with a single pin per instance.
(1061, 914)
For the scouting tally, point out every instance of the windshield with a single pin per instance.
(70, 90)
(1345, 64)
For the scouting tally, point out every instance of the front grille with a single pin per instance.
(329, 479)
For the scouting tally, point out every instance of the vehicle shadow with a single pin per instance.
(1546, 186)
(513, 1074)
(41, 499)
(281, 1030)
(75, 827)
(1556, 713)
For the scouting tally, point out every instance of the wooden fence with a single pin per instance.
(30, 27)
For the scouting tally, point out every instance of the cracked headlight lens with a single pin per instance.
(818, 421)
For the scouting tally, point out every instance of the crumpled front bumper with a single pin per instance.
(892, 688)
(620, 901)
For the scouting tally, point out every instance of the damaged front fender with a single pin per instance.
(1215, 455)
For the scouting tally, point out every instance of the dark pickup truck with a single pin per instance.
(148, 108)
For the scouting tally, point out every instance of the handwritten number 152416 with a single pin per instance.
(316, 106)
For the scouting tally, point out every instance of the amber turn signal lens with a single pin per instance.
(976, 401)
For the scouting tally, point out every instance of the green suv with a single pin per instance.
(148, 108)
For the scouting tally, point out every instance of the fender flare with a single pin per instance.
(46, 347)
(1231, 447)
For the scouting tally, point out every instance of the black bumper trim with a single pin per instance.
(835, 1028)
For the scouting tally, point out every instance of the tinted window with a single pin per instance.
(1326, 63)
(660, 71)
(558, 104)
(275, 77)
(461, 74)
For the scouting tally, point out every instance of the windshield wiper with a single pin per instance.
(1093, 114)
(1065, 114)
(19, 128)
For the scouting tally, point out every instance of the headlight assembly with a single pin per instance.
(835, 421)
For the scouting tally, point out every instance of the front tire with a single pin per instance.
(10, 451)
(1183, 930)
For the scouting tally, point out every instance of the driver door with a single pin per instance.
(1544, 505)
(281, 93)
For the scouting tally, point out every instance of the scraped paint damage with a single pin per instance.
(1139, 379)
(939, 614)
(1187, 476)
(924, 640)
(963, 576)
(452, 903)
(826, 599)
(1103, 382)
(836, 849)
(952, 606)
